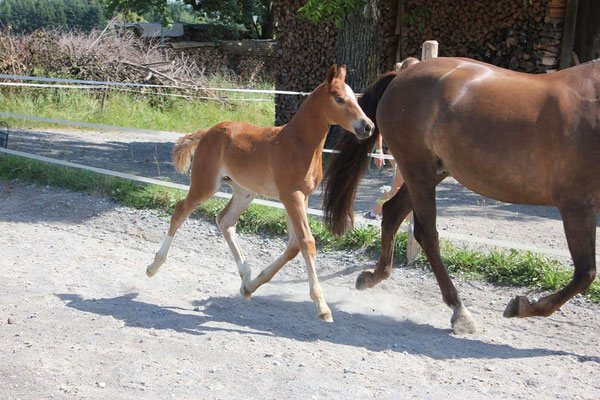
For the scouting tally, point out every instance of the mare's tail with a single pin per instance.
(182, 151)
(341, 181)
(346, 168)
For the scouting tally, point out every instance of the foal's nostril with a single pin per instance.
(368, 128)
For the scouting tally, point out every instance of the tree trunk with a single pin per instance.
(358, 46)
(268, 24)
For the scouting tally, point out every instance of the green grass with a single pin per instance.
(505, 268)
(145, 112)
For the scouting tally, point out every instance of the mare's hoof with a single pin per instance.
(362, 280)
(326, 317)
(245, 292)
(516, 307)
(462, 321)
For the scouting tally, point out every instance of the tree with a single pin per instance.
(243, 12)
(25, 16)
(359, 36)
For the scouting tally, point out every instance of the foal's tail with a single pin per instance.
(341, 181)
(183, 149)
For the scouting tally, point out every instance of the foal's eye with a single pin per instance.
(339, 100)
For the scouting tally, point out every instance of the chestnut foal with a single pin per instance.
(283, 163)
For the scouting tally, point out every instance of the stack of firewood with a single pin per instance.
(509, 33)
(302, 55)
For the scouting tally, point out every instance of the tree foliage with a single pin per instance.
(228, 12)
(335, 10)
(25, 16)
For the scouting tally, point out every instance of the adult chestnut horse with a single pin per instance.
(279, 162)
(514, 137)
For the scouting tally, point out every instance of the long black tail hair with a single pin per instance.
(347, 167)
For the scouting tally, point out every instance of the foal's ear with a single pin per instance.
(341, 73)
(331, 73)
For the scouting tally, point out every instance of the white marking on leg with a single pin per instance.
(160, 257)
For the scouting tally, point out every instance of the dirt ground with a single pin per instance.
(79, 319)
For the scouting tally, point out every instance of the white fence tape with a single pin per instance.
(89, 125)
(185, 96)
(131, 130)
(268, 203)
(109, 83)
(142, 179)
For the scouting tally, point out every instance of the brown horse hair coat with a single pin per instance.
(514, 137)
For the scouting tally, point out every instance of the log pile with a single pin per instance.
(512, 34)
(389, 34)
(302, 55)
(508, 33)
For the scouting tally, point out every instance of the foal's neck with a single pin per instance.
(309, 124)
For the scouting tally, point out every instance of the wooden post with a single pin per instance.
(104, 98)
(398, 29)
(430, 50)
(568, 39)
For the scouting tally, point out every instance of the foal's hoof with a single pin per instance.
(153, 268)
(326, 317)
(462, 321)
(362, 281)
(245, 292)
(517, 307)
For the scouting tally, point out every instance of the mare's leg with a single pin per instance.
(422, 192)
(395, 211)
(202, 187)
(579, 221)
(268, 273)
(227, 221)
(295, 206)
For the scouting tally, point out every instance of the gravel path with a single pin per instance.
(463, 216)
(79, 319)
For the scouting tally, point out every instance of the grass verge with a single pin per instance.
(146, 112)
(501, 267)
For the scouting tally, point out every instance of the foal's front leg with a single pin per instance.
(295, 206)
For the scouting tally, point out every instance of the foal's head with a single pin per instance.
(341, 107)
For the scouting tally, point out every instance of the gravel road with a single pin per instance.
(79, 319)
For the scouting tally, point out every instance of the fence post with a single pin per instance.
(104, 97)
(430, 50)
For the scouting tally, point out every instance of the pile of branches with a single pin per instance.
(98, 55)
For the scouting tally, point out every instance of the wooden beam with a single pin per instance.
(568, 39)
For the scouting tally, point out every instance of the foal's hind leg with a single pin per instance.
(395, 211)
(580, 228)
(227, 221)
(201, 189)
(422, 193)
(268, 273)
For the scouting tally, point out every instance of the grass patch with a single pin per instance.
(146, 112)
(505, 268)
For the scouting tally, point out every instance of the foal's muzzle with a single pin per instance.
(364, 128)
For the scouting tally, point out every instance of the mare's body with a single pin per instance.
(510, 136)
